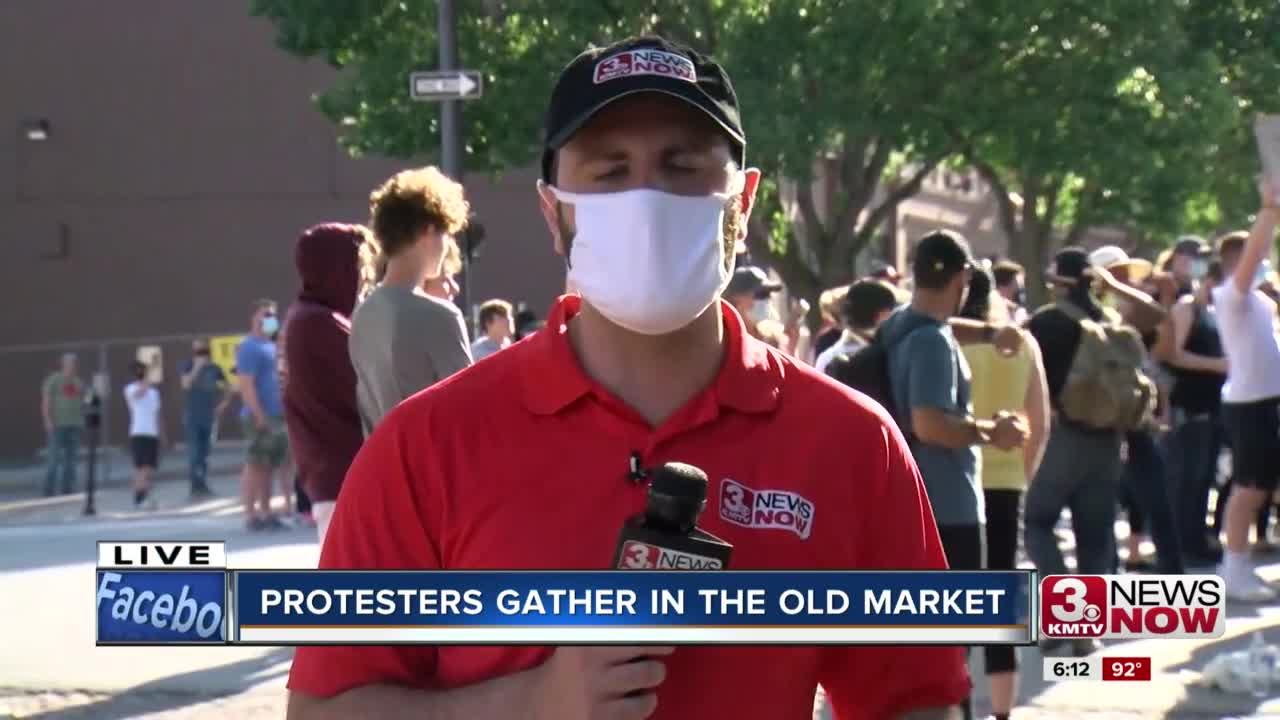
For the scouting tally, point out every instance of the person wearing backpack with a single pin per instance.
(866, 305)
(1098, 391)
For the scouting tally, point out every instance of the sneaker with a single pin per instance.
(201, 493)
(1250, 590)
(305, 519)
(1246, 587)
(255, 524)
(273, 522)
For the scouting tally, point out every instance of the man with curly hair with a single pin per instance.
(402, 339)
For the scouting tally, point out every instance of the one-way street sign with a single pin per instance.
(446, 85)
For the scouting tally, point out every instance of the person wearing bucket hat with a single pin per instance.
(1143, 487)
(646, 195)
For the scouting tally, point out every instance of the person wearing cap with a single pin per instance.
(1144, 492)
(646, 195)
(1081, 466)
(930, 381)
(749, 292)
(1188, 261)
(887, 273)
(1251, 395)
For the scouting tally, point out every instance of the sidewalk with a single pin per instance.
(21, 502)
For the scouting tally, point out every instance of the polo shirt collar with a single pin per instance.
(750, 378)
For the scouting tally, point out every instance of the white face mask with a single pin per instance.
(760, 310)
(649, 261)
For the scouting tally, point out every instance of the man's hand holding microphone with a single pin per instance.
(598, 683)
(620, 683)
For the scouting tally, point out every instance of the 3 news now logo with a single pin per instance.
(778, 509)
(1132, 606)
(638, 555)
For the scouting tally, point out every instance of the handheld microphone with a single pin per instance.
(665, 536)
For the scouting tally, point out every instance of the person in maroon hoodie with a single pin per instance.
(320, 384)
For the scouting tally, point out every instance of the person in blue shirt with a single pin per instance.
(262, 415)
(207, 394)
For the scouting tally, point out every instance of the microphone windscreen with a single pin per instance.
(679, 480)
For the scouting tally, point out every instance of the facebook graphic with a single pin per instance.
(614, 361)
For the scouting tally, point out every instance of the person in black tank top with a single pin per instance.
(1193, 353)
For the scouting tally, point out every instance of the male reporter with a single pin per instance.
(647, 197)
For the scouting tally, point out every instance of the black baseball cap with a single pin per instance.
(1192, 245)
(942, 252)
(1070, 264)
(648, 63)
(748, 279)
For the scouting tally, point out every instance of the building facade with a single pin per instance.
(158, 160)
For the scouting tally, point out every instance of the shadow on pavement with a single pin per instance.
(160, 696)
(39, 547)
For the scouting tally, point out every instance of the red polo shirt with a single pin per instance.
(520, 462)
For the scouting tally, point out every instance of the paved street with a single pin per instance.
(49, 667)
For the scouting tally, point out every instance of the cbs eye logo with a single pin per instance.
(1073, 606)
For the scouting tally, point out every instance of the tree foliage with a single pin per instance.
(1126, 112)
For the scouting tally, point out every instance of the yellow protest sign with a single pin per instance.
(222, 352)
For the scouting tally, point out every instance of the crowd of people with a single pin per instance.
(418, 446)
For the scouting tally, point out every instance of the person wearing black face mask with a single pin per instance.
(205, 388)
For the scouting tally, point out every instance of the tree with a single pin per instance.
(1114, 112)
(852, 87)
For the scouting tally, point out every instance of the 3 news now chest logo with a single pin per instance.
(638, 555)
(645, 62)
(1132, 606)
(779, 509)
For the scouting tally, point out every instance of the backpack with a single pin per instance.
(1106, 385)
(867, 369)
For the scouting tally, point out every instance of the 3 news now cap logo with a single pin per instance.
(638, 555)
(1132, 606)
(644, 61)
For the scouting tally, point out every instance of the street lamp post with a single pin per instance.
(450, 109)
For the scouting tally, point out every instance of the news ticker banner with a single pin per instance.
(182, 593)
(593, 607)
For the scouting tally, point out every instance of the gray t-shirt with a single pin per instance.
(402, 342)
(928, 370)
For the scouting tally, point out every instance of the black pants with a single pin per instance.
(1002, 533)
(304, 502)
(963, 545)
